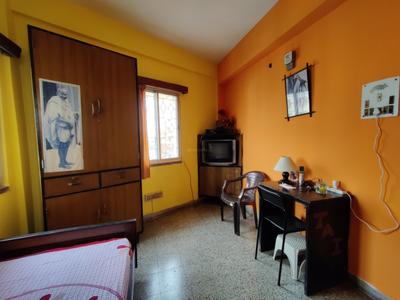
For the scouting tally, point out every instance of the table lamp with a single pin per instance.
(285, 165)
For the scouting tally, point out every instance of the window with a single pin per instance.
(162, 115)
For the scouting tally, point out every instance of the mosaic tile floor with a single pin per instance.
(191, 254)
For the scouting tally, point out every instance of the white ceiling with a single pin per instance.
(210, 28)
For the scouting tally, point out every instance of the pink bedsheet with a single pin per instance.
(93, 271)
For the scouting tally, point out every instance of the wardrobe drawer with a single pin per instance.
(70, 184)
(120, 176)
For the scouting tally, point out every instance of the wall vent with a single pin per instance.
(152, 196)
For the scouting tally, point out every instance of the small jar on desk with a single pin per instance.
(321, 187)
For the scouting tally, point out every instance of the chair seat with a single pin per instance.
(231, 199)
(293, 224)
(247, 200)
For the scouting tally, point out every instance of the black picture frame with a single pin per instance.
(298, 93)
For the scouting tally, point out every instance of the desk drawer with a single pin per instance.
(70, 184)
(120, 176)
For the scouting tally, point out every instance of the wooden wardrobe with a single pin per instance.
(108, 188)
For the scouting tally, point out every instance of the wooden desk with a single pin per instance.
(327, 234)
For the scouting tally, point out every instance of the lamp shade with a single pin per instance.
(285, 164)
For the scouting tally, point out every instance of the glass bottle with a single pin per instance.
(301, 176)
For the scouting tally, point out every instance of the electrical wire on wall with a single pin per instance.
(190, 178)
(382, 188)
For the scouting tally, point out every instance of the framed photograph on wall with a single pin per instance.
(298, 93)
(61, 117)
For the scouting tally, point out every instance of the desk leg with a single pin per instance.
(327, 244)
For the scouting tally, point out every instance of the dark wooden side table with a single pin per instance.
(327, 235)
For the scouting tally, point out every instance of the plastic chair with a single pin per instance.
(282, 219)
(247, 196)
(295, 245)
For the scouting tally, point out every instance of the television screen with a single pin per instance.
(219, 152)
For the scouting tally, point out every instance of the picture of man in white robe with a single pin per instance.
(60, 129)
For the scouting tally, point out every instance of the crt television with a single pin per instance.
(218, 152)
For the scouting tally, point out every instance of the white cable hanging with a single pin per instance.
(382, 189)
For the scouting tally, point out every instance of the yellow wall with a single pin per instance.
(13, 219)
(357, 42)
(156, 59)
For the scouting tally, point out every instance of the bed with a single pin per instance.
(88, 262)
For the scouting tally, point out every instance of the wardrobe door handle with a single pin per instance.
(93, 111)
(73, 181)
(99, 108)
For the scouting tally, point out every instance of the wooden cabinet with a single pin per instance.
(70, 184)
(118, 202)
(116, 97)
(108, 187)
(120, 176)
(73, 210)
(60, 59)
(211, 180)
(99, 206)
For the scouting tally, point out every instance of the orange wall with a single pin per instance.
(283, 21)
(355, 43)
